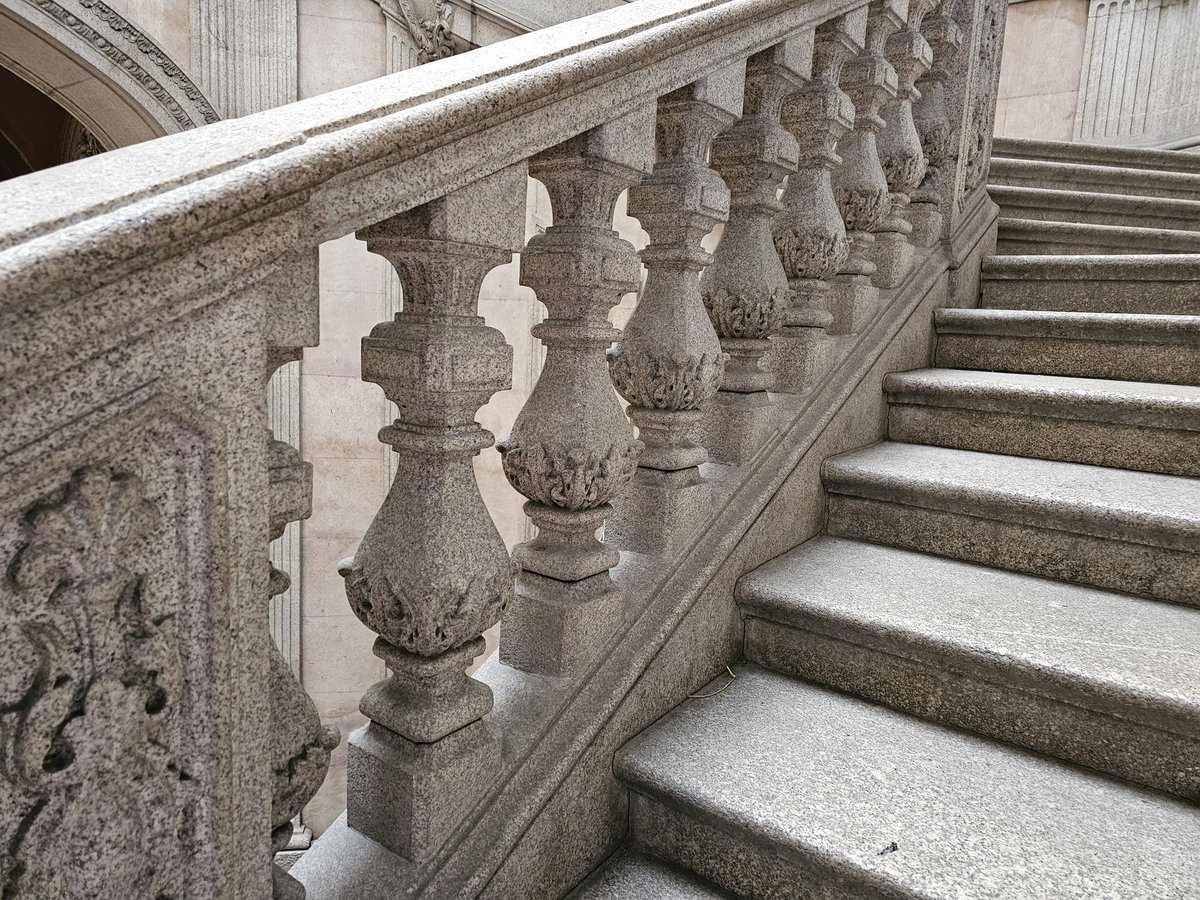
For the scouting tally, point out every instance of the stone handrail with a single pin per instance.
(145, 294)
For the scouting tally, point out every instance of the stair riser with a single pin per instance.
(1144, 449)
(1079, 558)
(1168, 189)
(1022, 246)
(1178, 298)
(1120, 360)
(729, 858)
(955, 692)
(1089, 216)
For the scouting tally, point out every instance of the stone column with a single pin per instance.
(669, 362)
(900, 146)
(745, 290)
(572, 450)
(810, 236)
(859, 184)
(432, 574)
(936, 123)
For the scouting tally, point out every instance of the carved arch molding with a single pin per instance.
(135, 91)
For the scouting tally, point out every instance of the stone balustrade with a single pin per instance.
(144, 293)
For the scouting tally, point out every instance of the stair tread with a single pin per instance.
(1144, 507)
(633, 875)
(1099, 200)
(1144, 327)
(1131, 402)
(1010, 225)
(1095, 266)
(809, 772)
(1129, 653)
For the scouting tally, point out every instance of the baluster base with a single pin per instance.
(554, 627)
(409, 797)
(853, 301)
(799, 357)
(661, 511)
(736, 425)
(926, 220)
(892, 256)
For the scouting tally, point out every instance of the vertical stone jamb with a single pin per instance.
(572, 450)
(810, 236)
(859, 184)
(669, 362)
(299, 744)
(432, 574)
(745, 290)
(900, 145)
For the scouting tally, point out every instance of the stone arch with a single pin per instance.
(100, 67)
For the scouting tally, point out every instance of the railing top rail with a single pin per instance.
(324, 153)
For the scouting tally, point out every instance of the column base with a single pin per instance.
(892, 255)
(409, 797)
(554, 627)
(926, 220)
(735, 426)
(853, 300)
(660, 511)
(799, 357)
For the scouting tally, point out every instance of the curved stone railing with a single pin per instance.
(146, 292)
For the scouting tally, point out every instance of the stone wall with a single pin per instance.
(1039, 73)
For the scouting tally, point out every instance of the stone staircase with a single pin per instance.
(983, 681)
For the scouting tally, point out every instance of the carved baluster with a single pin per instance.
(431, 574)
(300, 744)
(669, 362)
(900, 146)
(745, 290)
(933, 116)
(810, 236)
(572, 450)
(859, 183)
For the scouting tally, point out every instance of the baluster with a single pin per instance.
(859, 183)
(572, 450)
(432, 574)
(932, 115)
(900, 146)
(669, 362)
(745, 290)
(300, 744)
(810, 236)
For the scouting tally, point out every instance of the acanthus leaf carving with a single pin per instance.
(659, 381)
(753, 315)
(571, 478)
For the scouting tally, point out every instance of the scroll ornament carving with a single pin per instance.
(434, 37)
(659, 381)
(570, 478)
(128, 33)
(449, 614)
(87, 702)
(753, 316)
(983, 99)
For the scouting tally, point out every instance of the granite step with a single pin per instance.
(1036, 237)
(1123, 346)
(633, 875)
(1127, 424)
(1149, 283)
(1096, 178)
(1047, 204)
(1137, 532)
(775, 788)
(1006, 148)
(1102, 679)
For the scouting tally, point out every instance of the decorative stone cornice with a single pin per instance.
(122, 42)
(434, 38)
